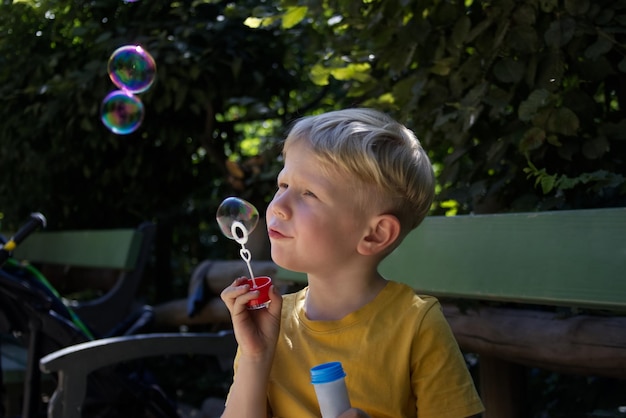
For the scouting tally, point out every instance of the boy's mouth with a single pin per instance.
(275, 234)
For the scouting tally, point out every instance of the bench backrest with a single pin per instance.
(126, 252)
(573, 258)
(116, 249)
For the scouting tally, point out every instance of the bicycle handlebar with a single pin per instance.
(36, 220)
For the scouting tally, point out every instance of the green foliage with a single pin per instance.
(493, 89)
(520, 103)
(57, 156)
(216, 80)
(598, 180)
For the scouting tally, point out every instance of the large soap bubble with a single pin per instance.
(121, 112)
(132, 68)
(237, 218)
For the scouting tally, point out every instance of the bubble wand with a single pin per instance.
(240, 235)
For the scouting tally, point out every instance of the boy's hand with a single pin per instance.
(257, 330)
(354, 413)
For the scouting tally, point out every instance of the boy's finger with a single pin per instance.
(240, 280)
(277, 301)
(235, 290)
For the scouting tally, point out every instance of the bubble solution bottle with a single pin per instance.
(330, 387)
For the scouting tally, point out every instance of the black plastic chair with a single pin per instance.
(75, 363)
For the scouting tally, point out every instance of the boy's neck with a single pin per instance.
(333, 299)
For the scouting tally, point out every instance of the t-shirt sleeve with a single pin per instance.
(440, 377)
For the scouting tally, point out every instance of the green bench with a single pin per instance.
(500, 277)
(120, 254)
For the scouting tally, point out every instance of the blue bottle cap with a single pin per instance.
(327, 372)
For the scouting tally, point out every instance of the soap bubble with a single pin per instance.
(132, 68)
(233, 213)
(121, 112)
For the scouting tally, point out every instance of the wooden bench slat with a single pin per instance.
(115, 249)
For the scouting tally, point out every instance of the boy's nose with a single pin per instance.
(278, 207)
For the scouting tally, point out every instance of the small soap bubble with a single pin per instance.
(121, 112)
(234, 209)
(132, 68)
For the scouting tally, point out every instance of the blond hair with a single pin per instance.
(377, 151)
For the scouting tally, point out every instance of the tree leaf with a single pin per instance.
(253, 22)
(460, 31)
(576, 7)
(548, 5)
(359, 72)
(293, 16)
(547, 183)
(554, 140)
(567, 183)
(563, 121)
(622, 65)
(523, 38)
(533, 138)
(525, 15)
(469, 74)
(319, 75)
(560, 32)
(604, 17)
(529, 107)
(442, 66)
(596, 147)
(600, 47)
(509, 70)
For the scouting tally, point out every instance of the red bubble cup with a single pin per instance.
(262, 285)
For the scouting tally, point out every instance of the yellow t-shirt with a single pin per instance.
(398, 352)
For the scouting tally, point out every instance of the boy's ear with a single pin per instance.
(384, 231)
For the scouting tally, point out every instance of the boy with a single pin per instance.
(354, 183)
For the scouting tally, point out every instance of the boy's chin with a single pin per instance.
(287, 264)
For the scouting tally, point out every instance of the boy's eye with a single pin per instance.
(306, 192)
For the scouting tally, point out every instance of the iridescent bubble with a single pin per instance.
(232, 214)
(132, 68)
(121, 112)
